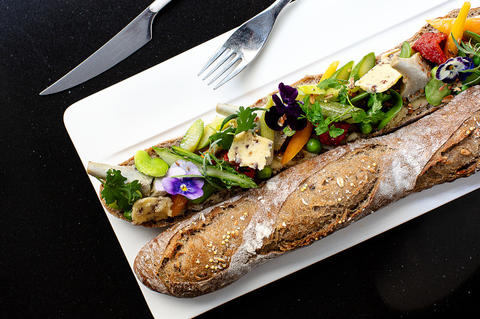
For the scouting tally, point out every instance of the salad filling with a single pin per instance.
(243, 147)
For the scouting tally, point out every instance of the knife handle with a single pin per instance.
(158, 5)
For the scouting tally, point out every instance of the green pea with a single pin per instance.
(265, 173)
(366, 128)
(314, 146)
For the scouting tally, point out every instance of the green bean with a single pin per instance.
(473, 35)
(390, 114)
(344, 72)
(229, 178)
(406, 51)
(359, 97)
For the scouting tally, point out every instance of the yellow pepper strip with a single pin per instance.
(310, 89)
(457, 31)
(265, 131)
(298, 141)
(445, 25)
(300, 138)
(330, 70)
(269, 103)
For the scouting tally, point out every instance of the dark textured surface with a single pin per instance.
(59, 257)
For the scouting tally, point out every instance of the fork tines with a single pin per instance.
(228, 64)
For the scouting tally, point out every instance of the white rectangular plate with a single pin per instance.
(159, 103)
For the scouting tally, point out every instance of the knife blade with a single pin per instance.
(131, 38)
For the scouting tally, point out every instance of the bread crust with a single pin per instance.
(309, 79)
(311, 200)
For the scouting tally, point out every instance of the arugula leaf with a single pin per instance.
(119, 194)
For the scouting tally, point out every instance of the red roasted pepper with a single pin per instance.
(250, 172)
(429, 46)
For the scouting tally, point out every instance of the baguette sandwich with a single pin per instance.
(217, 246)
(314, 198)
(248, 147)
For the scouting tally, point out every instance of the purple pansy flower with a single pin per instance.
(449, 71)
(189, 187)
(286, 110)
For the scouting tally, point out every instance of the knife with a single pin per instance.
(131, 38)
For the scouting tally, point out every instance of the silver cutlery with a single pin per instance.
(242, 47)
(131, 38)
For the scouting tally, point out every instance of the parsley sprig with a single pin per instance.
(313, 113)
(375, 104)
(118, 194)
(374, 114)
(340, 85)
(245, 121)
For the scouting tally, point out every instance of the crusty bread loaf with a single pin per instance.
(401, 120)
(311, 200)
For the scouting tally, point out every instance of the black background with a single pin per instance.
(59, 255)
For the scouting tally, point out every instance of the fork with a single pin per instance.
(243, 46)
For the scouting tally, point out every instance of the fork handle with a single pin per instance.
(157, 5)
(278, 5)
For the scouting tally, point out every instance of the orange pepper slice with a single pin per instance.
(457, 31)
(445, 25)
(298, 141)
(179, 204)
(300, 138)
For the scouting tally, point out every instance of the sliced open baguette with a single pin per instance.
(311, 200)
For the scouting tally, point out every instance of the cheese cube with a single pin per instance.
(251, 150)
(379, 79)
